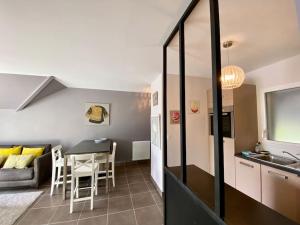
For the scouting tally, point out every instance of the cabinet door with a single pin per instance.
(281, 192)
(229, 166)
(227, 98)
(248, 178)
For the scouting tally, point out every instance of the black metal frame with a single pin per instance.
(217, 103)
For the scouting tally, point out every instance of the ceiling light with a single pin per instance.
(231, 76)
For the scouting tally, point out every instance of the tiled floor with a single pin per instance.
(134, 201)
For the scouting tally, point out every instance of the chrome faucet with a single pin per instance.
(291, 155)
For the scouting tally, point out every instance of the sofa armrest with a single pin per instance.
(42, 168)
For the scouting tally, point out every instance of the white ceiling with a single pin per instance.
(102, 44)
(116, 44)
(264, 32)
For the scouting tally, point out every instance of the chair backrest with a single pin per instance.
(114, 150)
(56, 153)
(86, 160)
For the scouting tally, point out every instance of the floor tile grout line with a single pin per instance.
(153, 198)
(136, 222)
(131, 195)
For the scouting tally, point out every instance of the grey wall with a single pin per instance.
(59, 118)
(14, 89)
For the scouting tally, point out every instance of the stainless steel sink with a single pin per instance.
(295, 166)
(276, 160)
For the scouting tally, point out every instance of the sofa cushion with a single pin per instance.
(16, 174)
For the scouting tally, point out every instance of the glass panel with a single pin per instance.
(173, 104)
(198, 97)
(266, 45)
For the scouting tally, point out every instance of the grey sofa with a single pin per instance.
(32, 176)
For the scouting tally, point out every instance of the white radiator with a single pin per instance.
(140, 150)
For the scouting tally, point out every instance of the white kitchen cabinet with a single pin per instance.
(229, 168)
(281, 192)
(248, 178)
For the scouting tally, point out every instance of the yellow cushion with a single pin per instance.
(10, 162)
(18, 161)
(36, 152)
(2, 159)
(23, 161)
(10, 151)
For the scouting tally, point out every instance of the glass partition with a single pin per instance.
(173, 106)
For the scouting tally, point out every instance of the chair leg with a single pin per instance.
(113, 173)
(53, 179)
(58, 176)
(77, 187)
(72, 195)
(92, 191)
(96, 183)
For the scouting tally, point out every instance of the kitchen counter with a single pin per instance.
(239, 208)
(277, 166)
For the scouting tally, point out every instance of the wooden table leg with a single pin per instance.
(65, 177)
(107, 169)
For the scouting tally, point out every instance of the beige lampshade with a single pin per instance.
(232, 77)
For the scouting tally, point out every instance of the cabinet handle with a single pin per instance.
(278, 174)
(246, 164)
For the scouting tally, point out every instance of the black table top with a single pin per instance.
(240, 209)
(89, 146)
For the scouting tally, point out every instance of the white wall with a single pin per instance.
(156, 152)
(280, 75)
(196, 124)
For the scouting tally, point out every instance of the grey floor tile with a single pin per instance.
(138, 188)
(37, 216)
(135, 179)
(48, 201)
(119, 191)
(100, 220)
(161, 208)
(142, 200)
(74, 222)
(63, 214)
(157, 198)
(149, 216)
(151, 186)
(123, 218)
(119, 204)
(100, 208)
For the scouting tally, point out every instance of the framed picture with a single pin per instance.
(174, 117)
(155, 130)
(194, 107)
(155, 98)
(97, 114)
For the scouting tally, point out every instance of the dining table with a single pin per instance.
(103, 146)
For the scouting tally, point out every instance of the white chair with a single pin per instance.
(102, 166)
(82, 166)
(57, 165)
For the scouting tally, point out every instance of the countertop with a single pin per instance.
(239, 208)
(266, 163)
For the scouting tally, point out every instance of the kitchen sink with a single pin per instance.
(278, 160)
(295, 166)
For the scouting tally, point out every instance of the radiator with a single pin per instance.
(140, 150)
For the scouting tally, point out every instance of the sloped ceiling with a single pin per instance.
(19, 91)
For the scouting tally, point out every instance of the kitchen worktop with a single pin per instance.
(277, 166)
(239, 208)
